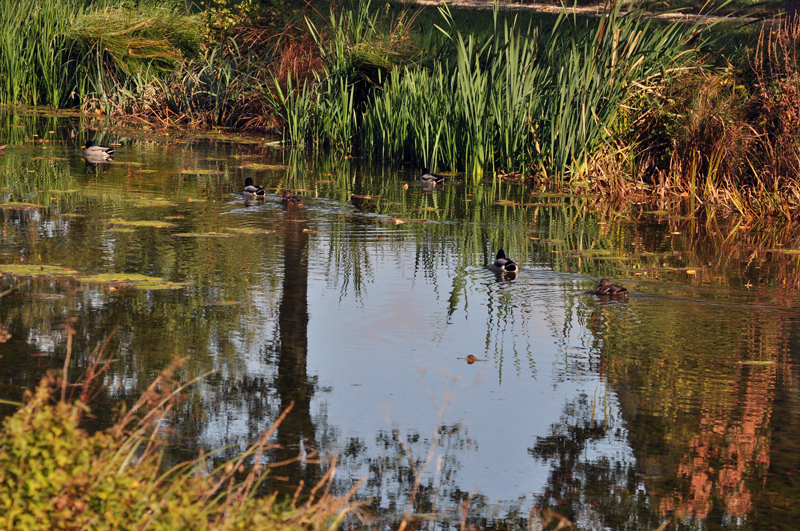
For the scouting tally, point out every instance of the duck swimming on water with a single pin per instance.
(291, 200)
(95, 153)
(606, 288)
(253, 190)
(429, 179)
(503, 264)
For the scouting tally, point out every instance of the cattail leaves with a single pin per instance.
(523, 100)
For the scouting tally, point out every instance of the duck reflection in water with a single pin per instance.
(607, 289)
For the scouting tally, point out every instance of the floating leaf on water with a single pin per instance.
(133, 280)
(152, 202)
(201, 172)
(263, 167)
(19, 206)
(36, 270)
(247, 231)
(203, 235)
(141, 223)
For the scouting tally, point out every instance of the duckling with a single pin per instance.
(253, 190)
(291, 200)
(503, 264)
(95, 153)
(430, 180)
(606, 288)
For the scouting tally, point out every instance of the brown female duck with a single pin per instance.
(606, 288)
(291, 200)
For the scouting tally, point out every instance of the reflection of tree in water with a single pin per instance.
(390, 476)
(593, 492)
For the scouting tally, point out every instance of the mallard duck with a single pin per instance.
(291, 200)
(94, 153)
(253, 190)
(431, 180)
(606, 288)
(502, 264)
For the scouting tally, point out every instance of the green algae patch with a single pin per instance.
(146, 171)
(142, 223)
(263, 167)
(152, 202)
(58, 191)
(785, 251)
(12, 205)
(70, 215)
(121, 229)
(36, 270)
(248, 232)
(132, 280)
(204, 235)
(200, 172)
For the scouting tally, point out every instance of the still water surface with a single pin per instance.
(678, 404)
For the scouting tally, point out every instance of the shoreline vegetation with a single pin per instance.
(615, 104)
(55, 475)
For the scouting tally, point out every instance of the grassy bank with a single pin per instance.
(609, 104)
(54, 475)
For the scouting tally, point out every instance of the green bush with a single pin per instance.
(54, 475)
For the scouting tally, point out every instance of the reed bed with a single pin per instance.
(533, 99)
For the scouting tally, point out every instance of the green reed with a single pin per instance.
(32, 50)
(528, 99)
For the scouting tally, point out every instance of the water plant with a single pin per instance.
(56, 475)
(515, 99)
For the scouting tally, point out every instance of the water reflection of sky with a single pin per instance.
(369, 350)
(698, 364)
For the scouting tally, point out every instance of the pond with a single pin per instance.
(370, 311)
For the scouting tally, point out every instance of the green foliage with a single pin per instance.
(534, 99)
(53, 475)
(55, 49)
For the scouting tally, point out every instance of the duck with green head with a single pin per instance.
(95, 153)
(502, 264)
(253, 190)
